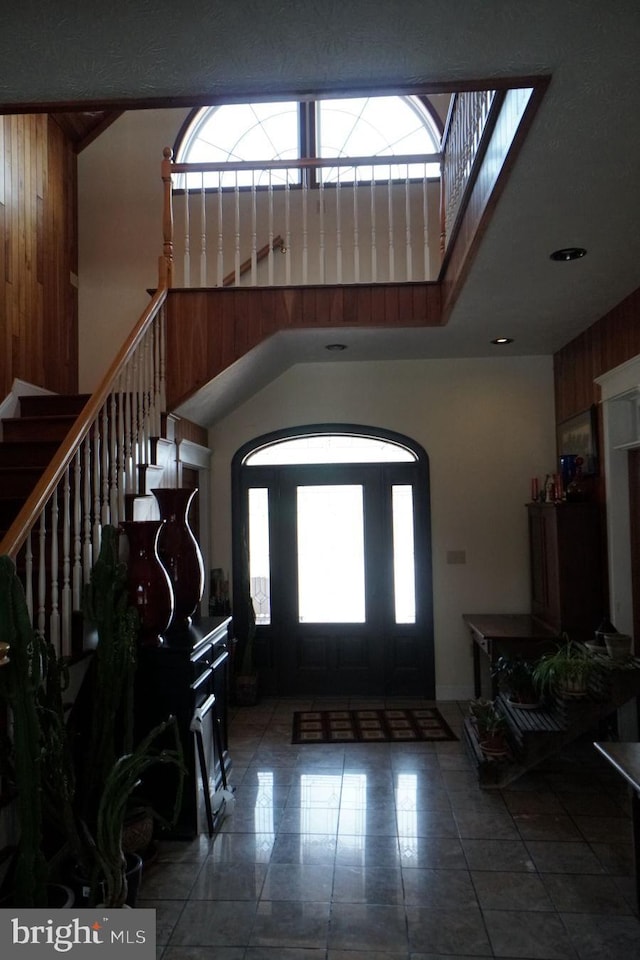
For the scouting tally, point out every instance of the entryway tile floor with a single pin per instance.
(393, 852)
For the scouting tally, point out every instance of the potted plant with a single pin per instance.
(245, 672)
(566, 672)
(93, 766)
(514, 676)
(491, 727)
(20, 683)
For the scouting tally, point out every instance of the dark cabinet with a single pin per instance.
(567, 571)
(188, 677)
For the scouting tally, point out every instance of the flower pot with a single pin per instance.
(81, 886)
(150, 590)
(618, 645)
(180, 552)
(494, 746)
(246, 690)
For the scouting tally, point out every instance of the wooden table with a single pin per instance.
(625, 758)
(506, 634)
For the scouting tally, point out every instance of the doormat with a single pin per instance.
(370, 726)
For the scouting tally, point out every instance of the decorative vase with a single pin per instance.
(150, 590)
(180, 552)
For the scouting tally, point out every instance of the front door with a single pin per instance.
(340, 578)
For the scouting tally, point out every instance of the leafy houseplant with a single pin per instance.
(514, 677)
(245, 672)
(491, 726)
(20, 684)
(566, 672)
(93, 767)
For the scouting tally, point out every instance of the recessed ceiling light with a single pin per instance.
(336, 346)
(500, 341)
(568, 253)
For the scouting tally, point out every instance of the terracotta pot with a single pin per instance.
(180, 552)
(150, 589)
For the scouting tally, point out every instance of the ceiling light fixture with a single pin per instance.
(501, 341)
(336, 346)
(568, 253)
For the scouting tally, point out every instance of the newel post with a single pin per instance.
(165, 265)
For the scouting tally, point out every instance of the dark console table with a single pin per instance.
(188, 677)
(505, 634)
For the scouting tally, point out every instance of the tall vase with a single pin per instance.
(180, 552)
(150, 589)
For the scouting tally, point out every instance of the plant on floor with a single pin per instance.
(566, 672)
(514, 677)
(20, 686)
(245, 672)
(491, 727)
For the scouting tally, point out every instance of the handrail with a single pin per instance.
(19, 530)
(276, 244)
(388, 160)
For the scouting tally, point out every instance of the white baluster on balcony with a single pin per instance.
(220, 258)
(407, 225)
(236, 210)
(425, 227)
(321, 230)
(54, 615)
(374, 250)
(187, 237)
(254, 231)
(65, 598)
(203, 232)
(338, 227)
(305, 227)
(356, 230)
(392, 257)
(271, 231)
(77, 529)
(42, 573)
(287, 229)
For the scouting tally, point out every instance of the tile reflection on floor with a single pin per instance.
(393, 852)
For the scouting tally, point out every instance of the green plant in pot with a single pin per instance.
(94, 767)
(514, 676)
(245, 672)
(566, 672)
(491, 727)
(20, 685)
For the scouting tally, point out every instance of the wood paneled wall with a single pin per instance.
(208, 330)
(38, 237)
(604, 345)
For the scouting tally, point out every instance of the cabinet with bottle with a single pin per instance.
(567, 570)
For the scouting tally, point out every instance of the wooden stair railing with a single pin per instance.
(55, 538)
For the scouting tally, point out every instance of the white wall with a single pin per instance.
(120, 232)
(488, 427)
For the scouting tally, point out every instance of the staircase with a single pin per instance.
(29, 443)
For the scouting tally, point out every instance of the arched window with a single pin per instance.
(350, 127)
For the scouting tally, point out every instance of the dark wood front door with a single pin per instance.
(349, 581)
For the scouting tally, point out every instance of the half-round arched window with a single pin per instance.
(349, 127)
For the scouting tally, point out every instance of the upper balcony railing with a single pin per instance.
(324, 220)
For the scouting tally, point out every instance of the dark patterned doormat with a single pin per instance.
(370, 726)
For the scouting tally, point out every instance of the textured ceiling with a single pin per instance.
(576, 179)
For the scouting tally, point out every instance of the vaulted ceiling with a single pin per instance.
(576, 178)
